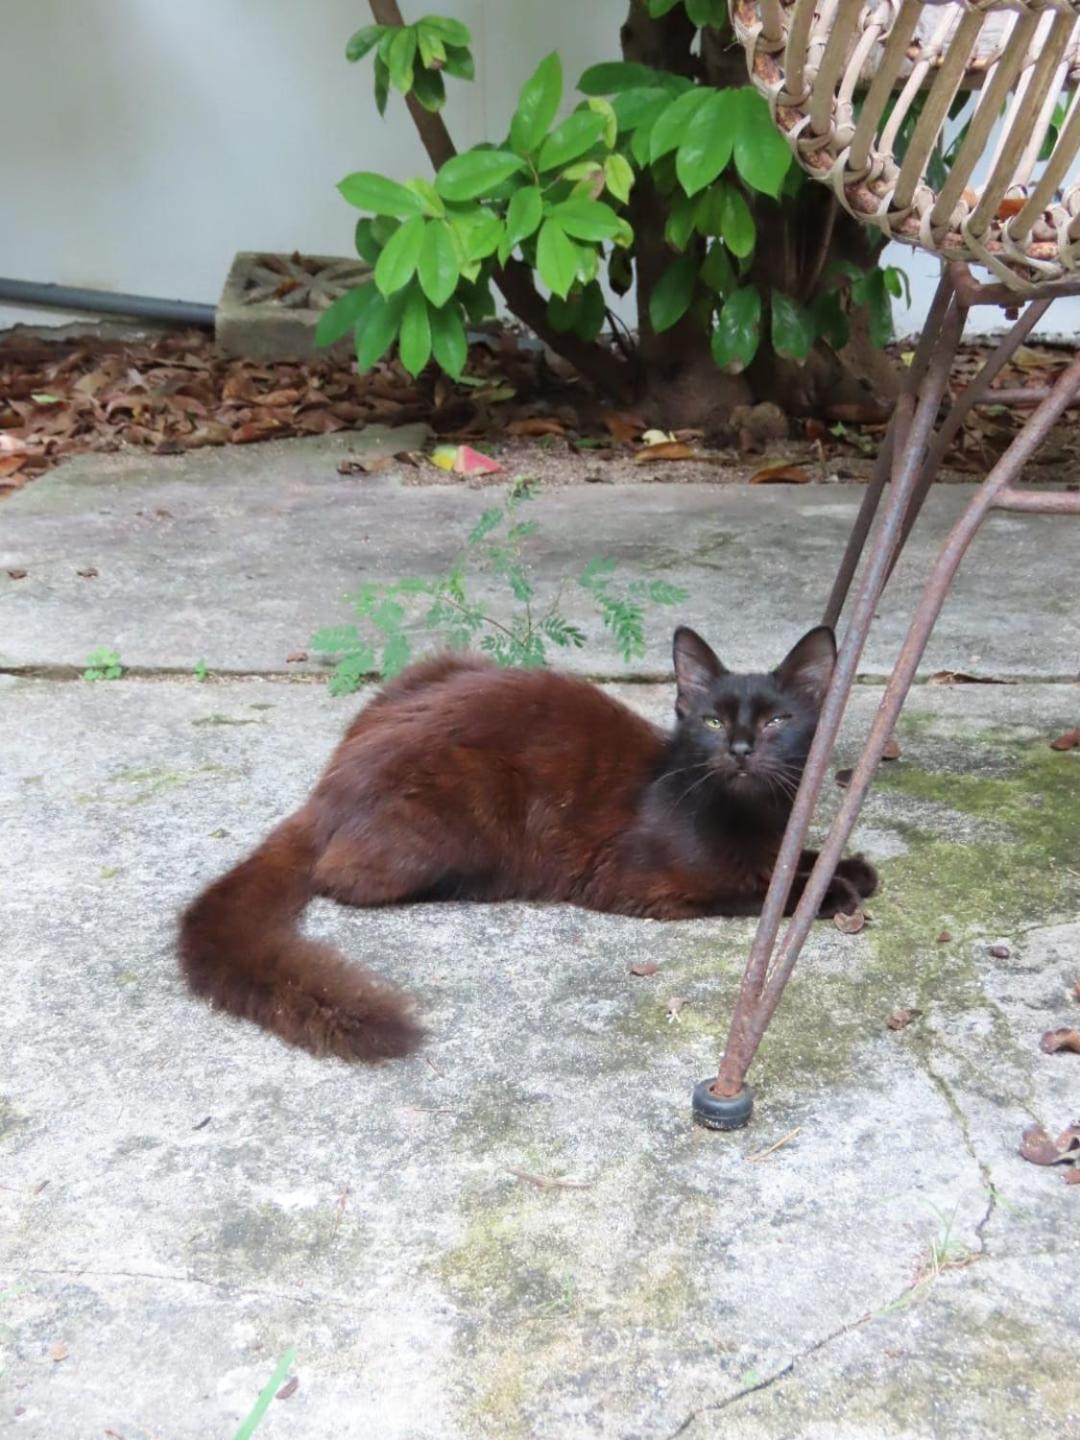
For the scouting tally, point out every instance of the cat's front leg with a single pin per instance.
(853, 880)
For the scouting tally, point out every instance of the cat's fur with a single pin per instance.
(463, 781)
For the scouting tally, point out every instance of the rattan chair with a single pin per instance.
(864, 91)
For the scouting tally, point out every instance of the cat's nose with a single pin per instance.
(741, 748)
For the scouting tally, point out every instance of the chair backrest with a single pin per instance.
(952, 126)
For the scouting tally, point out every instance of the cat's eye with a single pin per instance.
(712, 721)
(774, 721)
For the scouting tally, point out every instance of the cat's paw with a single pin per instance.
(841, 898)
(860, 874)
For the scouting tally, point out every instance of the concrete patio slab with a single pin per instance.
(182, 1198)
(236, 556)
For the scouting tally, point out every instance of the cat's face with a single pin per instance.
(752, 733)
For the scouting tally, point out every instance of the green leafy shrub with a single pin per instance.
(557, 198)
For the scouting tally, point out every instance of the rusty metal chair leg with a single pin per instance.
(767, 973)
(864, 520)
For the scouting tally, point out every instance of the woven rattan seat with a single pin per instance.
(863, 93)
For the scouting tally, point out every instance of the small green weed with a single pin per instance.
(378, 644)
(201, 673)
(266, 1394)
(103, 664)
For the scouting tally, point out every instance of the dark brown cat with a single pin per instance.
(462, 781)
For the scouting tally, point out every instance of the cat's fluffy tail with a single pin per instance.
(241, 949)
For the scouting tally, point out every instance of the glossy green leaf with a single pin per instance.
(762, 156)
(679, 225)
(459, 63)
(793, 327)
(586, 219)
(367, 247)
(739, 229)
(400, 57)
(382, 85)
(620, 271)
(669, 132)
(577, 133)
(708, 142)
(709, 210)
(396, 265)
(582, 313)
(556, 258)
(657, 8)
(640, 106)
(523, 215)
(717, 270)
(479, 233)
(672, 294)
(613, 76)
(429, 196)
(430, 89)
(342, 316)
(537, 104)
(375, 334)
(610, 132)
(619, 177)
(437, 269)
(363, 41)
(453, 32)
(448, 343)
(707, 12)
(738, 331)
(477, 172)
(830, 319)
(368, 191)
(414, 341)
(432, 47)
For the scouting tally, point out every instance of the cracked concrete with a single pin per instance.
(182, 1199)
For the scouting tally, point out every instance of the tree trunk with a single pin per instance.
(679, 384)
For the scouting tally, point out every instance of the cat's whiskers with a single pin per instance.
(705, 765)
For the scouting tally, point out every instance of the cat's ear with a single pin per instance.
(808, 666)
(696, 669)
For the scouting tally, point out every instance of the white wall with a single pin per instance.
(144, 142)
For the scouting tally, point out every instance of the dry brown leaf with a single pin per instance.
(891, 751)
(1010, 206)
(281, 397)
(1056, 1040)
(666, 450)
(944, 937)
(291, 1386)
(88, 572)
(960, 677)
(676, 1005)
(1036, 1146)
(781, 475)
(1069, 741)
(295, 657)
(59, 1351)
(843, 778)
(900, 1019)
(16, 574)
(538, 425)
(644, 968)
(849, 924)
(999, 952)
(255, 430)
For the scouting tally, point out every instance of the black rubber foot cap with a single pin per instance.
(717, 1112)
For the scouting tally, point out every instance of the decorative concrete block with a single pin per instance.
(271, 304)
